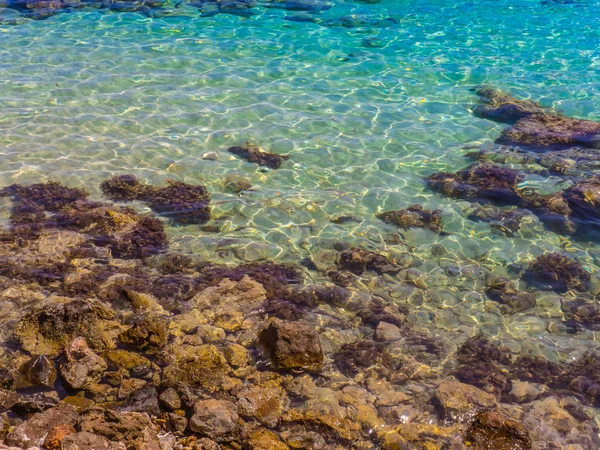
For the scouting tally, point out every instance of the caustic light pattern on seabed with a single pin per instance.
(299, 224)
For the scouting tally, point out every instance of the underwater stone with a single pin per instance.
(358, 260)
(185, 203)
(39, 371)
(169, 399)
(484, 181)
(414, 217)
(254, 154)
(505, 291)
(491, 430)
(291, 345)
(265, 404)
(560, 272)
(148, 332)
(551, 131)
(502, 107)
(460, 402)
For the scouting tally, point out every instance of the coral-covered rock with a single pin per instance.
(558, 272)
(503, 107)
(492, 431)
(483, 181)
(414, 217)
(82, 366)
(460, 402)
(217, 419)
(291, 345)
(254, 154)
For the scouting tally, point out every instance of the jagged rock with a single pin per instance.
(217, 419)
(492, 431)
(82, 367)
(144, 400)
(358, 260)
(33, 431)
(460, 402)
(149, 332)
(291, 345)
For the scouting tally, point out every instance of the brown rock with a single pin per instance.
(33, 431)
(116, 426)
(56, 435)
(387, 332)
(83, 367)
(460, 402)
(292, 345)
(89, 441)
(216, 419)
(264, 404)
(254, 154)
(492, 431)
(38, 371)
(170, 400)
(262, 439)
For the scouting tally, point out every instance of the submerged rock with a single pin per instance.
(460, 402)
(551, 131)
(506, 222)
(254, 154)
(358, 260)
(492, 431)
(414, 217)
(505, 291)
(559, 272)
(38, 371)
(185, 203)
(292, 345)
(503, 107)
(479, 181)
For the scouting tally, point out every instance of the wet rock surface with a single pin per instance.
(414, 217)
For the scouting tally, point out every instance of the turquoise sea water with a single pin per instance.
(367, 99)
(364, 112)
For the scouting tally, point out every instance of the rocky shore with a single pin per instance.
(111, 340)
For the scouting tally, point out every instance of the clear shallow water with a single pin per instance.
(364, 113)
